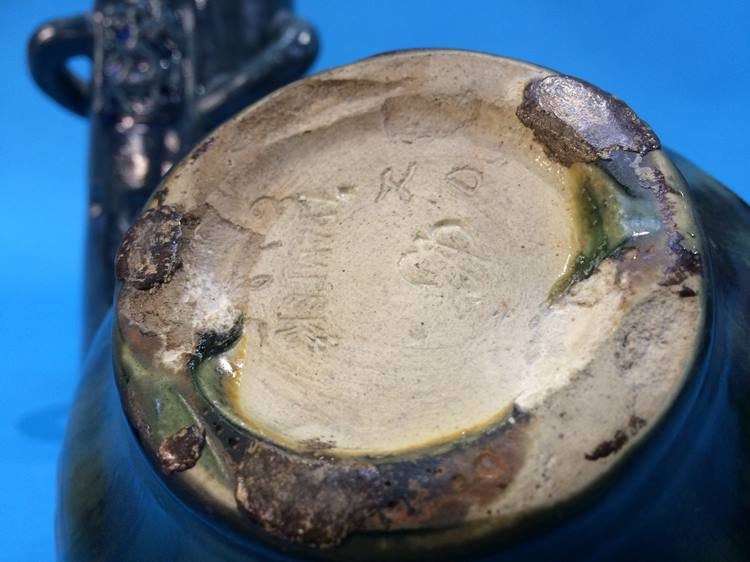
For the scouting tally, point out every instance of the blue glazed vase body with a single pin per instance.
(682, 496)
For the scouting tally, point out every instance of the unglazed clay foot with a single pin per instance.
(431, 292)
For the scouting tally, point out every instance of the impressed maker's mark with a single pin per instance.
(466, 178)
(301, 320)
(447, 256)
(390, 182)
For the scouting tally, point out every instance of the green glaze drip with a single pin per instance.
(607, 217)
(167, 411)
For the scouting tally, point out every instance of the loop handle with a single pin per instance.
(50, 49)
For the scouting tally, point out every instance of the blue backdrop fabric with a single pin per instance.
(682, 65)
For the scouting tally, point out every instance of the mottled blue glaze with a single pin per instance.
(684, 495)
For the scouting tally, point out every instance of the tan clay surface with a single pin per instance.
(389, 236)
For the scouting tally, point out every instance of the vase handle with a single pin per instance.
(50, 49)
(286, 56)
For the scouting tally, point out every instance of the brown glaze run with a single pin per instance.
(201, 149)
(578, 122)
(182, 450)
(320, 499)
(149, 254)
(440, 490)
(611, 446)
(330, 264)
(315, 500)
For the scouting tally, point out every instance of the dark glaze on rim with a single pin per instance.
(180, 361)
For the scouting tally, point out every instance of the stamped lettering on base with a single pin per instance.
(389, 183)
(466, 178)
(301, 320)
(446, 257)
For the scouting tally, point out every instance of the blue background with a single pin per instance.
(683, 66)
